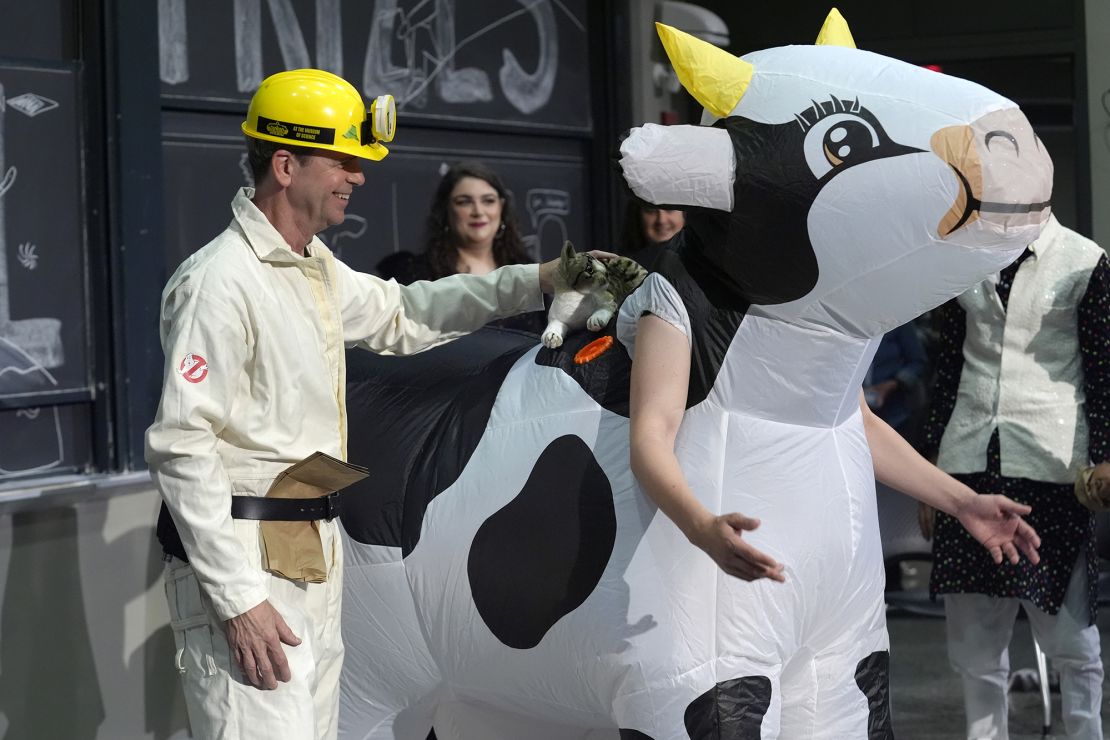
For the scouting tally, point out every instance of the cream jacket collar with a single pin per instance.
(268, 244)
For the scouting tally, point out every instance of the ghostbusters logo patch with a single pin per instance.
(193, 368)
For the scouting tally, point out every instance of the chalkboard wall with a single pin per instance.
(205, 165)
(43, 303)
(459, 70)
(93, 220)
(520, 62)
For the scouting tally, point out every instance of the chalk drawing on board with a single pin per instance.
(36, 431)
(352, 228)
(424, 33)
(245, 169)
(31, 105)
(429, 48)
(27, 256)
(40, 339)
(173, 42)
(546, 209)
(427, 41)
(173, 46)
(530, 92)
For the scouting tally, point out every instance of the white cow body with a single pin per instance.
(658, 645)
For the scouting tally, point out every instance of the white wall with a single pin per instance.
(86, 652)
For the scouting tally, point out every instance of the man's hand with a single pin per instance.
(720, 537)
(996, 522)
(547, 269)
(255, 638)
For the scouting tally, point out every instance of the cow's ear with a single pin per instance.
(835, 31)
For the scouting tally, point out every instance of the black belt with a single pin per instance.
(285, 509)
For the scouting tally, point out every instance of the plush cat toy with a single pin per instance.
(588, 292)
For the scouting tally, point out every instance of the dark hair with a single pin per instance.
(440, 246)
(261, 151)
(633, 239)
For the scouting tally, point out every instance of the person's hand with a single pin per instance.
(996, 522)
(255, 639)
(547, 269)
(1092, 487)
(926, 520)
(720, 537)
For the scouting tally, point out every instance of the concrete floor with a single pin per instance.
(926, 695)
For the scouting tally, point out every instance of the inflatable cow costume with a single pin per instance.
(506, 576)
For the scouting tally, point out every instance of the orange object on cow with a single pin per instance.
(593, 350)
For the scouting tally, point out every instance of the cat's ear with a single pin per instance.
(568, 251)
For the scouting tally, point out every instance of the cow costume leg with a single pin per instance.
(459, 721)
(838, 694)
(395, 698)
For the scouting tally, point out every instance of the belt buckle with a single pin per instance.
(331, 505)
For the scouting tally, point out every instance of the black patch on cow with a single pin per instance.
(606, 378)
(634, 735)
(731, 710)
(762, 247)
(539, 557)
(873, 679)
(415, 422)
(715, 313)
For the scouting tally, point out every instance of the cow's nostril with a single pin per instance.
(1003, 135)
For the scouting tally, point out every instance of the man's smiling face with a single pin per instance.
(321, 187)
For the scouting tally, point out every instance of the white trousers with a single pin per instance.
(221, 703)
(979, 631)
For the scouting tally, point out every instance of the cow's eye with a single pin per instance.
(839, 140)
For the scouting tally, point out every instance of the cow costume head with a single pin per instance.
(506, 575)
(830, 181)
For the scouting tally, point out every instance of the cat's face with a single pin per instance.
(580, 271)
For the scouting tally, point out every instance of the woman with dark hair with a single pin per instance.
(471, 224)
(471, 228)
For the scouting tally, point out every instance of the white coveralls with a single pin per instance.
(253, 336)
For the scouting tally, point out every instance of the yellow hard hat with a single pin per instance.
(314, 108)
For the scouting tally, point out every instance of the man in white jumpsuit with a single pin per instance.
(253, 328)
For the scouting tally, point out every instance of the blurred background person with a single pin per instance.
(647, 230)
(894, 390)
(892, 386)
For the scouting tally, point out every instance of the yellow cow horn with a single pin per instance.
(835, 32)
(714, 77)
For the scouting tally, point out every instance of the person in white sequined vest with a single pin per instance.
(1020, 406)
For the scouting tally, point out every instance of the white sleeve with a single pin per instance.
(388, 318)
(205, 339)
(659, 298)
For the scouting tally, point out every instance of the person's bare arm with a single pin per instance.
(995, 521)
(255, 639)
(660, 376)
